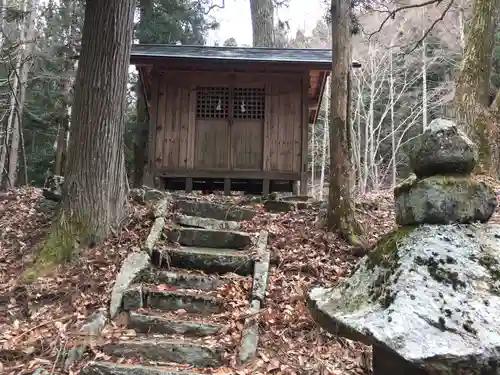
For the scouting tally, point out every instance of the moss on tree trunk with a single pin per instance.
(95, 188)
(341, 208)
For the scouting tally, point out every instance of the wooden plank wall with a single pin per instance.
(282, 130)
(172, 140)
(173, 100)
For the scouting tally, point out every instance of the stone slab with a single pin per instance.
(110, 368)
(152, 323)
(185, 280)
(279, 206)
(261, 268)
(133, 298)
(214, 210)
(191, 302)
(134, 264)
(207, 223)
(154, 234)
(250, 334)
(206, 259)
(178, 351)
(210, 238)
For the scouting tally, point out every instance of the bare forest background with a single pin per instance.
(407, 78)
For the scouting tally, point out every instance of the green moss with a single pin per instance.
(58, 246)
(457, 181)
(385, 253)
(385, 256)
(405, 185)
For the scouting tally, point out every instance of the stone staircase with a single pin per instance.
(173, 304)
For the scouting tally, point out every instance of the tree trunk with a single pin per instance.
(471, 95)
(340, 201)
(63, 126)
(262, 12)
(142, 129)
(27, 56)
(10, 121)
(95, 188)
(21, 76)
(324, 146)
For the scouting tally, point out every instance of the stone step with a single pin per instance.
(210, 238)
(156, 323)
(213, 210)
(137, 297)
(110, 368)
(205, 222)
(181, 279)
(206, 259)
(192, 302)
(165, 350)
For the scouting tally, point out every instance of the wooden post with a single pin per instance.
(189, 185)
(305, 133)
(227, 186)
(149, 175)
(265, 188)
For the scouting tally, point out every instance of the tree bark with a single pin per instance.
(340, 201)
(142, 129)
(262, 12)
(472, 87)
(95, 188)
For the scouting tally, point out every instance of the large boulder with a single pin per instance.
(442, 149)
(429, 294)
(443, 200)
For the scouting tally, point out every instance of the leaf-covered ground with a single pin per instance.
(40, 321)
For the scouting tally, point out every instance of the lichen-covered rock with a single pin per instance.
(137, 195)
(213, 210)
(442, 149)
(443, 200)
(430, 294)
(278, 206)
(153, 194)
(132, 266)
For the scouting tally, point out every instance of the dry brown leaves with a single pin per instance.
(40, 320)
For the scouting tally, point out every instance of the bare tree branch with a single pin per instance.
(392, 13)
(431, 27)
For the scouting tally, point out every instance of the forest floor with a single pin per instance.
(41, 320)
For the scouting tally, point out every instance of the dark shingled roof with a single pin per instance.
(247, 54)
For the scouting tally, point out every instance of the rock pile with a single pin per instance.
(427, 297)
(442, 190)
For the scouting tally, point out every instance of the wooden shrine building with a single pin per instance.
(230, 118)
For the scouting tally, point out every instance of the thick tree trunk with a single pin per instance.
(262, 12)
(95, 187)
(142, 129)
(340, 201)
(472, 87)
